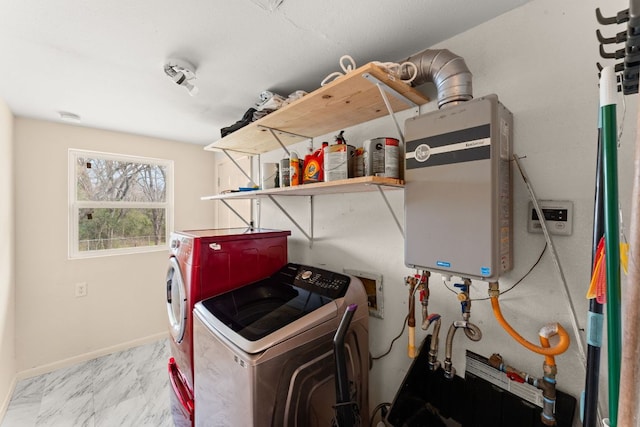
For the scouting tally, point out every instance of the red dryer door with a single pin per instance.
(176, 301)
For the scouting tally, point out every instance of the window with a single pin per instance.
(118, 204)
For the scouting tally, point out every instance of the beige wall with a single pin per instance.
(126, 297)
(7, 275)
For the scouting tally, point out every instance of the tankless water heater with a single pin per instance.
(458, 214)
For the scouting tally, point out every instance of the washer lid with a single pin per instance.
(317, 317)
(263, 314)
(259, 309)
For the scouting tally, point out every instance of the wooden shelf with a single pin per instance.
(350, 100)
(346, 101)
(351, 185)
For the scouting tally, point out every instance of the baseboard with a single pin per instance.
(7, 398)
(43, 369)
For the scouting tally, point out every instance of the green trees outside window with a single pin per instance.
(119, 202)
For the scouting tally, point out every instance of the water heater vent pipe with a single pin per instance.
(447, 71)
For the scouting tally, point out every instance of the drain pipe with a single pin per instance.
(470, 330)
(424, 299)
(447, 71)
(428, 319)
(433, 347)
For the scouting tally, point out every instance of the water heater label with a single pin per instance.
(443, 264)
(454, 147)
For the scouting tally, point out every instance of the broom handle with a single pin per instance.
(608, 96)
(628, 409)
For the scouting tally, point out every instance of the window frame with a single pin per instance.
(74, 205)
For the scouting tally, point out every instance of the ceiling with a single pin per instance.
(103, 60)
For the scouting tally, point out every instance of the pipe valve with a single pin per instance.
(494, 290)
(464, 298)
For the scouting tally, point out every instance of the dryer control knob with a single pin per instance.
(175, 244)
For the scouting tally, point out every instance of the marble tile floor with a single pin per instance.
(125, 389)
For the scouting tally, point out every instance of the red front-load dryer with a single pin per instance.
(204, 263)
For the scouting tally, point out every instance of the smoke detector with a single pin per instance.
(69, 117)
(182, 73)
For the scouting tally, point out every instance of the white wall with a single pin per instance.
(7, 259)
(126, 293)
(540, 60)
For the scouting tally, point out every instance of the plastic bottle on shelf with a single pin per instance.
(359, 162)
(294, 169)
(314, 165)
(321, 160)
(284, 172)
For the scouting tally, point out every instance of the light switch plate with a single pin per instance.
(558, 217)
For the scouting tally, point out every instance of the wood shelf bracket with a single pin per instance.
(309, 235)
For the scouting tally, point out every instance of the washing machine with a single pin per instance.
(264, 352)
(204, 263)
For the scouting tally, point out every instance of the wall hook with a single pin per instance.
(622, 16)
(619, 38)
(618, 54)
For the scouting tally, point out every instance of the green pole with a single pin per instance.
(608, 94)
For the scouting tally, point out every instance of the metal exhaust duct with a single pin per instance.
(447, 71)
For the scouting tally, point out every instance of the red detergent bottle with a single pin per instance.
(314, 165)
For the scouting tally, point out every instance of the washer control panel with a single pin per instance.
(323, 282)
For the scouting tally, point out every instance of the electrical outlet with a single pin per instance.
(558, 215)
(81, 289)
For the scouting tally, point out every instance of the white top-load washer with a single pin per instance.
(263, 353)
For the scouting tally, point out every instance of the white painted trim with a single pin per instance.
(43, 369)
(7, 398)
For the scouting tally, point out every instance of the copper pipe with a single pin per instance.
(411, 319)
